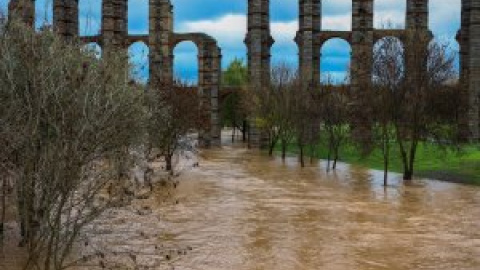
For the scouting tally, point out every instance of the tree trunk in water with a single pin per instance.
(406, 171)
(312, 153)
(168, 161)
(385, 172)
(408, 175)
(271, 148)
(386, 155)
(410, 163)
(302, 160)
(413, 150)
(284, 151)
(233, 134)
(244, 132)
(335, 159)
(4, 204)
(328, 158)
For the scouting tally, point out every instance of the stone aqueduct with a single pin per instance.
(161, 41)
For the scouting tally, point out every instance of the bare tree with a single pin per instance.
(284, 91)
(67, 121)
(334, 114)
(302, 117)
(174, 112)
(305, 117)
(413, 91)
(261, 105)
(388, 76)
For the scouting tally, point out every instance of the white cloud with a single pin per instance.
(229, 30)
(340, 22)
(284, 32)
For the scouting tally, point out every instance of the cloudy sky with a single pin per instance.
(226, 21)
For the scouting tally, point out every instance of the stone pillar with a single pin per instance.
(309, 51)
(122, 20)
(418, 34)
(114, 25)
(209, 58)
(469, 39)
(417, 14)
(24, 10)
(362, 43)
(216, 75)
(259, 42)
(361, 67)
(160, 35)
(65, 18)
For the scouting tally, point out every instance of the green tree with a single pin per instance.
(233, 114)
(236, 74)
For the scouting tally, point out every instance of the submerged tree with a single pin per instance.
(304, 117)
(388, 77)
(413, 92)
(334, 113)
(284, 80)
(174, 111)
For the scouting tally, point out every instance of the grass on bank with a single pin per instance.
(433, 161)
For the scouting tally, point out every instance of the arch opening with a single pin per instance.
(89, 17)
(450, 52)
(455, 50)
(284, 26)
(388, 62)
(388, 14)
(445, 31)
(139, 63)
(93, 49)
(138, 17)
(185, 63)
(336, 15)
(438, 11)
(335, 59)
(43, 14)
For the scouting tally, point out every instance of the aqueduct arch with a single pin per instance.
(161, 42)
(310, 36)
(330, 43)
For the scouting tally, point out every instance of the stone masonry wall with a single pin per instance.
(310, 38)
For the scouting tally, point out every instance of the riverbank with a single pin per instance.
(125, 236)
(445, 164)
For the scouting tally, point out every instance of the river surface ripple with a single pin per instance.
(242, 210)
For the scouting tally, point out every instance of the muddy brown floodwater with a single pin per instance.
(242, 210)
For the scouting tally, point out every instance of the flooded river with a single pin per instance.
(242, 210)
